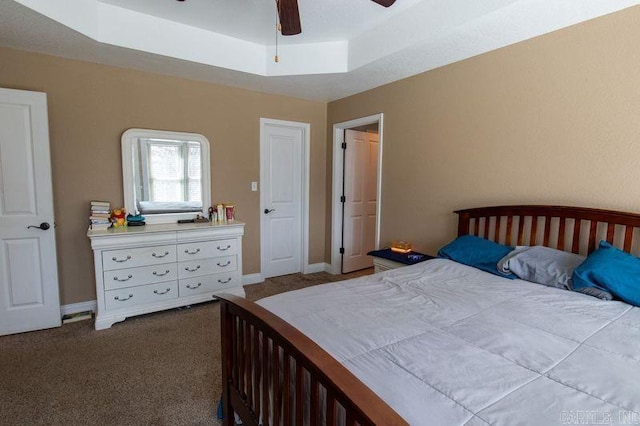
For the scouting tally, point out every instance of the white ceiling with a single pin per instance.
(346, 46)
(254, 20)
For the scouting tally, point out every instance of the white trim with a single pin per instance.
(252, 279)
(336, 208)
(317, 267)
(74, 308)
(306, 164)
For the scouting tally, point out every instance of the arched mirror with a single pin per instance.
(166, 175)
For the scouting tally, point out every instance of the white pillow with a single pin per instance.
(542, 265)
(503, 264)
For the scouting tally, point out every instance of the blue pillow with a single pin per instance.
(610, 269)
(477, 252)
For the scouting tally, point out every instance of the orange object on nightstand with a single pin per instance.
(401, 246)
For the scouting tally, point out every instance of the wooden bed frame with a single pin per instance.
(573, 229)
(271, 371)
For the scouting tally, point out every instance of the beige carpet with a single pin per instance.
(157, 369)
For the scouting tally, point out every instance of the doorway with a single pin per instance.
(357, 177)
(284, 197)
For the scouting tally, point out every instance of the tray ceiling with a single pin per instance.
(345, 47)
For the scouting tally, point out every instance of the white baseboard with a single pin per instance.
(310, 269)
(317, 267)
(252, 279)
(334, 271)
(74, 308)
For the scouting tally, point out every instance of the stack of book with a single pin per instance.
(100, 213)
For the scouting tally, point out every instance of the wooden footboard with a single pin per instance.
(273, 374)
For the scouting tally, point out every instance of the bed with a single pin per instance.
(443, 343)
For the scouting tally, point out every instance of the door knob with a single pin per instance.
(44, 226)
(267, 211)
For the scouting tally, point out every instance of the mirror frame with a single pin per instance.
(128, 180)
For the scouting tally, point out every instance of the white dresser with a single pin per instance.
(155, 267)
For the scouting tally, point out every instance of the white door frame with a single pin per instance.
(338, 175)
(306, 160)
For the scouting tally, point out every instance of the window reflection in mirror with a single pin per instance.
(166, 174)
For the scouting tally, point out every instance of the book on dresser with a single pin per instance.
(99, 215)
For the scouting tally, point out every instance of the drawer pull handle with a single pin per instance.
(192, 252)
(224, 282)
(162, 292)
(226, 264)
(192, 270)
(159, 274)
(190, 287)
(158, 256)
(224, 248)
(124, 279)
(115, 259)
(123, 300)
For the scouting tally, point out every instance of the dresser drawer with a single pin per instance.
(214, 265)
(141, 295)
(203, 250)
(208, 283)
(128, 258)
(130, 277)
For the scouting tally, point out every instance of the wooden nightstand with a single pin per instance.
(385, 259)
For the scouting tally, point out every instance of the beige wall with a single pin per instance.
(553, 120)
(91, 105)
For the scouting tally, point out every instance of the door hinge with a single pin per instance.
(343, 199)
(344, 145)
(341, 250)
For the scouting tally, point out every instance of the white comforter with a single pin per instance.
(447, 344)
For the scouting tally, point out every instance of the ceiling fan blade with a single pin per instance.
(289, 17)
(385, 3)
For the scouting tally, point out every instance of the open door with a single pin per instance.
(360, 199)
(29, 295)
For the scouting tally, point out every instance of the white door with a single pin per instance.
(29, 297)
(282, 150)
(360, 192)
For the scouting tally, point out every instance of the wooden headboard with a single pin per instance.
(573, 229)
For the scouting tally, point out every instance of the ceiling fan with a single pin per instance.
(290, 17)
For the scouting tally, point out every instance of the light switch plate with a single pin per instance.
(254, 186)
